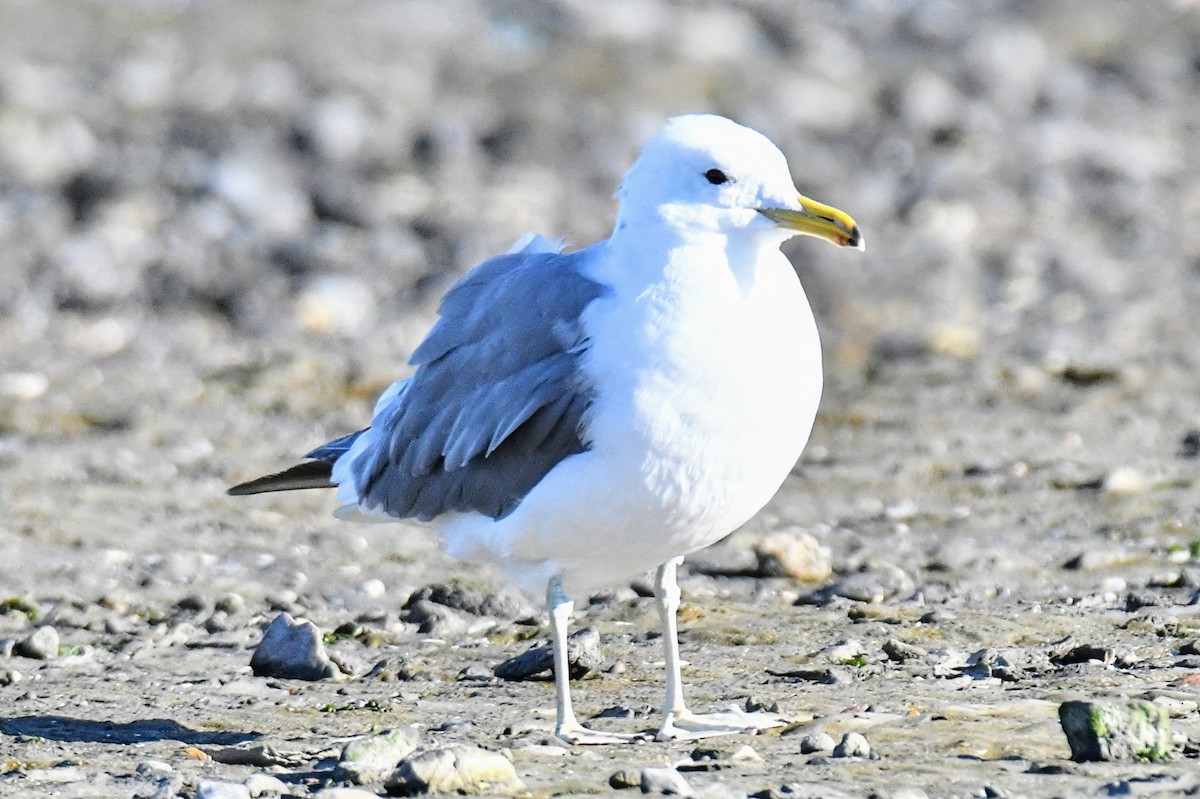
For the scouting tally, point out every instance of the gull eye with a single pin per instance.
(716, 177)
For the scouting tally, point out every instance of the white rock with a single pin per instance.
(211, 789)
(664, 780)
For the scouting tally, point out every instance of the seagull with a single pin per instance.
(580, 418)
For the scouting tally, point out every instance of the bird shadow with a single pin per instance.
(67, 729)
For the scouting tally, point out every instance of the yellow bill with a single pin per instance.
(820, 220)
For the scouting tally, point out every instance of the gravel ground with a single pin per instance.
(225, 226)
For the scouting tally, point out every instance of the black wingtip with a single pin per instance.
(310, 474)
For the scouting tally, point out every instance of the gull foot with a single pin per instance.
(579, 735)
(686, 726)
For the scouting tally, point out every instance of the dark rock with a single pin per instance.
(292, 649)
(583, 655)
(435, 619)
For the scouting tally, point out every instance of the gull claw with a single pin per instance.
(688, 726)
(579, 735)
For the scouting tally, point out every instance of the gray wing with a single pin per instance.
(497, 398)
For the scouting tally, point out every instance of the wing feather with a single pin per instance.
(497, 399)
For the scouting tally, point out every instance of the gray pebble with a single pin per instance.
(506, 603)
(265, 785)
(622, 779)
(664, 780)
(373, 757)
(155, 767)
(1116, 731)
(397, 669)
(10, 677)
(853, 744)
(899, 652)
(881, 583)
(435, 619)
(816, 742)
(348, 662)
(841, 651)
(583, 656)
(41, 644)
(229, 603)
(211, 789)
(292, 649)
(454, 769)
(252, 754)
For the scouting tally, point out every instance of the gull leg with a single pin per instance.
(678, 721)
(566, 726)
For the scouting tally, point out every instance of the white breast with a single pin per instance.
(707, 387)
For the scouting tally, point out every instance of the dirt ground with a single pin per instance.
(224, 227)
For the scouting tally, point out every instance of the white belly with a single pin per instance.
(704, 403)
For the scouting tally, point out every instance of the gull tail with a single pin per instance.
(315, 473)
(310, 474)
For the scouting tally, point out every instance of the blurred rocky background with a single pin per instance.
(224, 226)
(182, 178)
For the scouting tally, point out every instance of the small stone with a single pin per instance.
(1189, 447)
(477, 673)
(883, 582)
(229, 603)
(154, 767)
(507, 603)
(212, 789)
(816, 742)
(1116, 731)
(292, 649)
(435, 619)
(1071, 653)
(1123, 481)
(583, 657)
(853, 744)
(800, 557)
(397, 669)
(1098, 559)
(252, 754)
(372, 758)
(622, 779)
(842, 651)
(664, 780)
(746, 754)
(10, 677)
(348, 662)
(265, 785)
(454, 769)
(899, 652)
(340, 304)
(41, 644)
